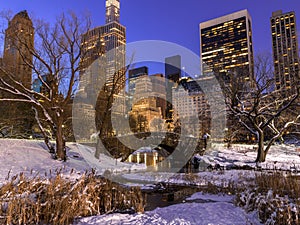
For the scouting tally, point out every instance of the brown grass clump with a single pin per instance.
(60, 201)
(280, 183)
(275, 196)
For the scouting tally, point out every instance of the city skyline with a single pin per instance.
(178, 23)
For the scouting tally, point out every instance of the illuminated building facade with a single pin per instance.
(109, 39)
(159, 90)
(226, 45)
(17, 58)
(133, 76)
(107, 44)
(191, 105)
(285, 50)
(102, 67)
(112, 11)
(92, 47)
(149, 104)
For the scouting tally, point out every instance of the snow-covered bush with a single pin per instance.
(276, 198)
(272, 209)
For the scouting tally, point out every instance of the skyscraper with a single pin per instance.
(226, 45)
(106, 43)
(17, 58)
(172, 74)
(285, 50)
(109, 39)
(102, 69)
(173, 68)
(19, 38)
(112, 11)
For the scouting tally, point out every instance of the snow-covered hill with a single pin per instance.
(32, 158)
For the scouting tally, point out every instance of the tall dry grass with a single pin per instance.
(59, 201)
(280, 183)
(275, 196)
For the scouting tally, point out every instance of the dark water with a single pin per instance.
(169, 195)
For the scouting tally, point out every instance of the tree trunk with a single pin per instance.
(60, 142)
(261, 154)
(98, 146)
(49, 145)
(46, 137)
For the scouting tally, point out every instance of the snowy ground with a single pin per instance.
(198, 209)
(280, 157)
(32, 158)
(284, 157)
(216, 210)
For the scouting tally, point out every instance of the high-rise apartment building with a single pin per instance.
(19, 38)
(226, 45)
(102, 72)
(285, 50)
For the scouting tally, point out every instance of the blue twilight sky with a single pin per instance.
(168, 20)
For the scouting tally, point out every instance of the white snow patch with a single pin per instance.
(32, 158)
(211, 197)
(185, 213)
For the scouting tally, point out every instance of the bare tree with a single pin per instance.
(259, 108)
(107, 97)
(55, 64)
